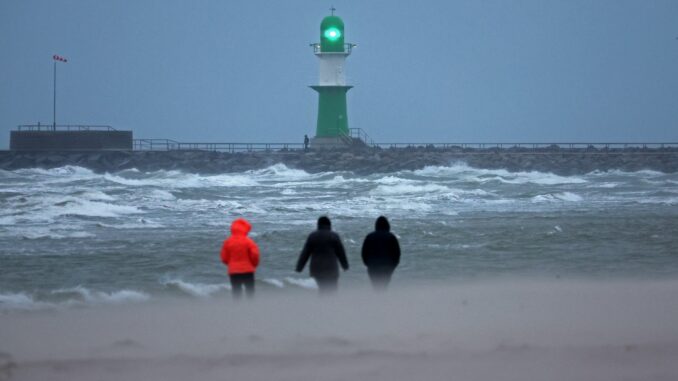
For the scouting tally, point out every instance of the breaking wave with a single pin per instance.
(307, 283)
(67, 297)
(20, 301)
(179, 180)
(501, 175)
(82, 294)
(557, 197)
(200, 290)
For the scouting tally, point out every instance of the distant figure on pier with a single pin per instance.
(241, 255)
(326, 252)
(381, 254)
(306, 140)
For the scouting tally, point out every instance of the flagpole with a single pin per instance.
(54, 100)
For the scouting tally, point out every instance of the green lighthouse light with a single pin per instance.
(332, 34)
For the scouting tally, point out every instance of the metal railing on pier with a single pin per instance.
(168, 145)
(529, 146)
(359, 134)
(63, 127)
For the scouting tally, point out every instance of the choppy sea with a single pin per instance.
(71, 237)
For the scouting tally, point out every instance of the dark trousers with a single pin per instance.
(380, 278)
(327, 285)
(238, 281)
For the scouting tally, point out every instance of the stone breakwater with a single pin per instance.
(364, 161)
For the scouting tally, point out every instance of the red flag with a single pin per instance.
(59, 58)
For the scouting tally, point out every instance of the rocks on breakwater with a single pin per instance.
(363, 161)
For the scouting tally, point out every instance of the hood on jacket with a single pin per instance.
(240, 227)
(382, 224)
(324, 223)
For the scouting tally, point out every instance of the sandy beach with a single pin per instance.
(504, 330)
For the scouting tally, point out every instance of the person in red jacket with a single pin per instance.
(241, 255)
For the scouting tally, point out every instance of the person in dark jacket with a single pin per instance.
(326, 252)
(381, 254)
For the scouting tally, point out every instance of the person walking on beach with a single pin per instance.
(381, 254)
(326, 252)
(306, 142)
(241, 255)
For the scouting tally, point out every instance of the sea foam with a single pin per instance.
(19, 301)
(281, 172)
(557, 197)
(402, 189)
(470, 174)
(67, 297)
(308, 283)
(87, 208)
(274, 282)
(196, 289)
(179, 180)
(82, 294)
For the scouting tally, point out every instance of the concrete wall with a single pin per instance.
(70, 140)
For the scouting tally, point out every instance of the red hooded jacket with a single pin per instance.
(239, 253)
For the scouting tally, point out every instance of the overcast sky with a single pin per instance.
(424, 71)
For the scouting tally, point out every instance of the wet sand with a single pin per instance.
(503, 330)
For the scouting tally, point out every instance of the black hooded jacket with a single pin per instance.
(381, 251)
(324, 248)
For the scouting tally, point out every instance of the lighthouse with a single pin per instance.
(332, 126)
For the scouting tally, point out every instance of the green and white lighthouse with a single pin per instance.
(332, 127)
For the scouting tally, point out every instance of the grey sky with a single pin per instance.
(424, 71)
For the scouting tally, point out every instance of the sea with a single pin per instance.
(70, 237)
